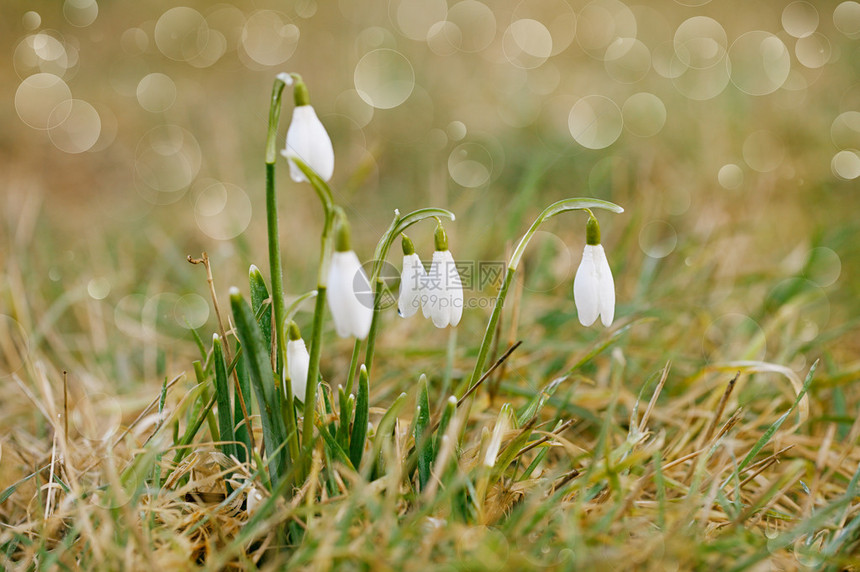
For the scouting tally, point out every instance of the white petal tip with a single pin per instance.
(234, 291)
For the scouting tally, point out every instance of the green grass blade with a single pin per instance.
(260, 303)
(332, 446)
(11, 489)
(222, 397)
(347, 404)
(766, 437)
(329, 408)
(537, 402)
(385, 428)
(423, 440)
(204, 398)
(241, 431)
(362, 413)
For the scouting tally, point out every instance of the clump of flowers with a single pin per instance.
(300, 411)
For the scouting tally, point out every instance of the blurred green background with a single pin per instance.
(133, 135)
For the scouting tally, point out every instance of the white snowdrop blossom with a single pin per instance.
(413, 277)
(442, 298)
(298, 361)
(593, 287)
(308, 140)
(349, 295)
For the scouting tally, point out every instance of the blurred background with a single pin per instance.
(133, 135)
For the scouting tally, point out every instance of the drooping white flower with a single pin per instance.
(442, 298)
(298, 361)
(593, 287)
(412, 280)
(349, 295)
(307, 139)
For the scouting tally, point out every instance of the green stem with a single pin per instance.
(325, 195)
(552, 210)
(374, 323)
(272, 221)
(313, 371)
(491, 327)
(353, 366)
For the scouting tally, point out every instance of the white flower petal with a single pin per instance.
(308, 140)
(349, 296)
(437, 291)
(585, 288)
(412, 279)
(298, 362)
(605, 286)
(455, 291)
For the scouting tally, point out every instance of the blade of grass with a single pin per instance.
(222, 396)
(423, 435)
(766, 437)
(241, 431)
(362, 413)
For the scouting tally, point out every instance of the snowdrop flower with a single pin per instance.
(307, 139)
(298, 360)
(593, 287)
(349, 296)
(442, 298)
(412, 280)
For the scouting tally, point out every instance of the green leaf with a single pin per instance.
(259, 304)
(329, 407)
(263, 382)
(362, 414)
(333, 446)
(347, 404)
(11, 489)
(222, 397)
(537, 402)
(386, 427)
(423, 437)
(241, 432)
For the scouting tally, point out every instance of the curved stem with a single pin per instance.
(398, 226)
(553, 210)
(549, 212)
(321, 187)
